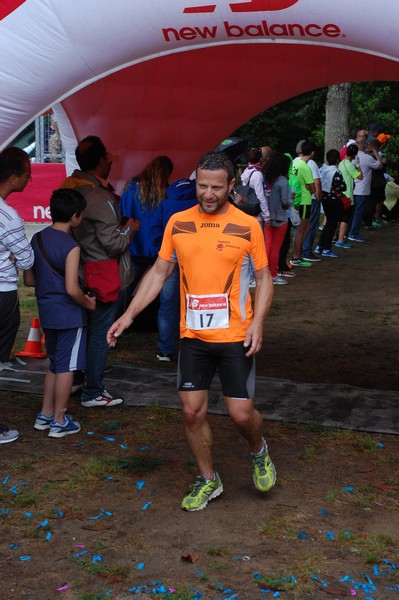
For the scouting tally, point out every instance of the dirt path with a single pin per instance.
(97, 515)
(337, 322)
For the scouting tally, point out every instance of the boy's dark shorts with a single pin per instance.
(304, 210)
(66, 349)
(199, 361)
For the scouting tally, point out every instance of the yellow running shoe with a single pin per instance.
(264, 472)
(201, 492)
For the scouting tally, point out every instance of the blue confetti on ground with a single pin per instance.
(13, 489)
(97, 558)
(102, 513)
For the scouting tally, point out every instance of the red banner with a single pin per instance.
(8, 6)
(33, 203)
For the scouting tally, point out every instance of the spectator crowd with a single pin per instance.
(307, 213)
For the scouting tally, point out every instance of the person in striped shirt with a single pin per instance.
(15, 253)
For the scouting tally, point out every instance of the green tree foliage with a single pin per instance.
(378, 102)
(281, 126)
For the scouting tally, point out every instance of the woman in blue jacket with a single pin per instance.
(139, 201)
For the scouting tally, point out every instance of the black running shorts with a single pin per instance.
(199, 361)
(304, 210)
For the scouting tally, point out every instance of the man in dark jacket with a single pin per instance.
(100, 237)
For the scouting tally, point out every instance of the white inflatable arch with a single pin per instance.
(176, 77)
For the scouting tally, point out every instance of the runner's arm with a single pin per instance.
(263, 301)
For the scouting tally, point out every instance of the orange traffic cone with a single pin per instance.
(33, 346)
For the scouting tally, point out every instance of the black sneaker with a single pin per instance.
(162, 357)
(311, 257)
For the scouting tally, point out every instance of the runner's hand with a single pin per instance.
(253, 340)
(117, 329)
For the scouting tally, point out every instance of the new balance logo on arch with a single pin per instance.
(249, 6)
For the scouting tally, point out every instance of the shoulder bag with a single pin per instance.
(103, 277)
(248, 197)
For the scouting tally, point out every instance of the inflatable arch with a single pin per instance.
(177, 76)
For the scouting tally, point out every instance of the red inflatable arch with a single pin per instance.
(155, 77)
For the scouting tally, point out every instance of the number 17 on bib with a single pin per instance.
(207, 312)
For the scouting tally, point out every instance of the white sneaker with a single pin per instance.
(59, 430)
(278, 280)
(7, 435)
(104, 400)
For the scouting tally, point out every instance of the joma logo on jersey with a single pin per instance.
(210, 225)
(249, 6)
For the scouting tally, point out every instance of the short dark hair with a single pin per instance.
(13, 161)
(332, 157)
(308, 147)
(89, 152)
(64, 203)
(213, 161)
(254, 155)
(352, 150)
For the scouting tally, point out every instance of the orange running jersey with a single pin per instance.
(214, 253)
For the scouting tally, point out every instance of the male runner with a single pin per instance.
(214, 244)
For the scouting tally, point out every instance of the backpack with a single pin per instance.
(249, 197)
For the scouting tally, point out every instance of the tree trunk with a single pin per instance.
(337, 116)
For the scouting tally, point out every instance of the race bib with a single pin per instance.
(207, 312)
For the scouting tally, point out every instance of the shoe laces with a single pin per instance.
(260, 462)
(195, 488)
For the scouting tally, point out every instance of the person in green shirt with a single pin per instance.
(302, 170)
